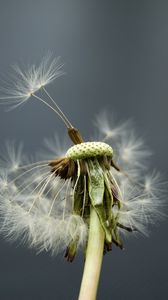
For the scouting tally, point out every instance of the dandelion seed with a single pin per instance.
(132, 150)
(12, 157)
(3, 180)
(107, 128)
(54, 147)
(78, 197)
(154, 184)
(25, 84)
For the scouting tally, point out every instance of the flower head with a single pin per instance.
(48, 203)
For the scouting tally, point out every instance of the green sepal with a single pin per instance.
(108, 185)
(96, 182)
(96, 188)
(108, 200)
(78, 197)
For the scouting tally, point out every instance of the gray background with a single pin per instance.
(116, 55)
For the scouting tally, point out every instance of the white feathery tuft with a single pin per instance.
(55, 147)
(12, 157)
(3, 180)
(139, 207)
(35, 206)
(132, 151)
(24, 82)
(49, 69)
(107, 128)
(154, 184)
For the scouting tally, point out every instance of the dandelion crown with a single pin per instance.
(51, 204)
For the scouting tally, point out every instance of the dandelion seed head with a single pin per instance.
(38, 206)
(47, 203)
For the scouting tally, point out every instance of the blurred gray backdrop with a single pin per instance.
(116, 58)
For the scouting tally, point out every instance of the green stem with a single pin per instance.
(94, 256)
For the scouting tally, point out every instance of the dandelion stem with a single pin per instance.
(43, 101)
(94, 256)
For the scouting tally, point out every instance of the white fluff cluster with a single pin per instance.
(24, 82)
(36, 206)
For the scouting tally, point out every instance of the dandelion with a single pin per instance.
(88, 196)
